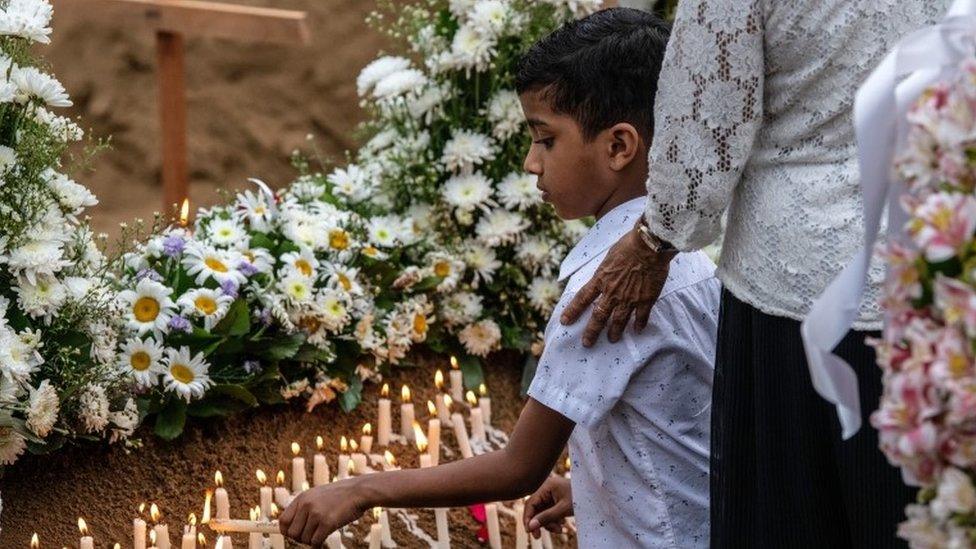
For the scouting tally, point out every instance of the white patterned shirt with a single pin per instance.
(641, 406)
(754, 115)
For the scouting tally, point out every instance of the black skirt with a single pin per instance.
(780, 474)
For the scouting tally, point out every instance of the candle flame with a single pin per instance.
(82, 527)
(117, 546)
(280, 478)
(154, 512)
(192, 519)
(344, 444)
(389, 457)
(431, 408)
(454, 362)
(385, 391)
(201, 539)
(420, 437)
(295, 449)
(262, 478)
(482, 390)
(306, 485)
(206, 507)
(218, 479)
(439, 379)
(152, 537)
(353, 445)
(319, 442)
(142, 507)
(350, 467)
(472, 400)
(448, 402)
(568, 464)
(35, 543)
(274, 510)
(185, 212)
(377, 512)
(368, 429)
(405, 393)
(253, 513)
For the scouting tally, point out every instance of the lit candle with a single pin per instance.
(421, 440)
(477, 419)
(344, 458)
(457, 381)
(224, 542)
(334, 541)
(568, 465)
(494, 532)
(385, 526)
(546, 539)
(277, 540)
(185, 213)
(162, 530)
(87, 542)
(433, 435)
(461, 434)
(375, 531)
(206, 506)
(320, 467)
(35, 541)
(442, 409)
(521, 536)
(255, 539)
(189, 539)
(201, 540)
(366, 441)
(139, 530)
(384, 423)
(535, 543)
(350, 468)
(406, 414)
(281, 495)
(297, 469)
(484, 402)
(220, 497)
(266, 494)
(152, 539)
(443, 532)
(358, 458)
(390, 462)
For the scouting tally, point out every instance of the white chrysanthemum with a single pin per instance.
(377, 70)
(30, 19)
(8, 159)
(33, 84)
(205, 262)
(37, 258)
(471, 49)
(73, 197)
(384, 230)
(461, 308)
(210, 305)
(93, 408)
(303, 262)
(465, 150)
(42, 298)
(12, 444)
(481, 338)
(466, 192)
(518, 191)
(500, 227)
(538, 253)
(297, 288)
(126, 419)
(423, 105)
(225, 232)
(142, 359)
(419, 216)
(254, 208)
(352, 182)
(504, 111)
(462, 8)
(399, 83)
(482, 260)
(490, 17)
(577, 8)
(186, 374)
(543, 294)
(61, 126)
(79, 287)
(574, 229)
(42, 409)
(148, 308)
(19, 357)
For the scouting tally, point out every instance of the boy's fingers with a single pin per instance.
(581, 301)
(618, 322)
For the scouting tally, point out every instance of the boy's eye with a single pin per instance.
(545, 142)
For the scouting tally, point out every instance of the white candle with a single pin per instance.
(359, 463)
(297, 470)
(442, 409)
(162, 536)
(189, 540)
(264, 494)
(224, 542)
(461, 433)
(344, 461)
(320, 470)
(281, 496)
(138, 533)
(443, 533)
(425, 460)
(384, 423)
(406, 414)
(546, 539)
(375, 536)
(457, 381)
(334, 541)
(521, 536)
(86, 542)
(477, 419)
(277, 541)
(494, 532)
(220, 497)
(385, 526)
(255, 540)
(484, 402)
(433, 434)
(366, 441)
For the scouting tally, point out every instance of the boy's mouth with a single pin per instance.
(545, 193)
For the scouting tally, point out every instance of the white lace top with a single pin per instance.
(754, 115)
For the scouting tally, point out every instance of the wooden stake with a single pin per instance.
(170, 55)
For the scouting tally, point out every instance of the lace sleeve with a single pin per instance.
(708, 110)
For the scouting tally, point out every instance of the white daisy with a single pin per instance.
(148, 308)
(377, 70)
(543, 294)
(399, 83)
(259, 259)
(352, 182)
(297, 288)
(481, 338)
(343, 277)
(465, 150)
(445, 266)
(12, 444)
(93, 408)
(141, 358)
(33, 84)
(254, 209)
(303, 262)
(185, 374)
(205, 262)
(466, 192)
(384, 230)
(504, 111)
(482, 260)
(500, 227)
(332, 306)
(226, 232)
(28, 19)
(518, 191)
(210, 305)
(42, 410)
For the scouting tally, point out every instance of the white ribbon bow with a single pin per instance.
(918, 61)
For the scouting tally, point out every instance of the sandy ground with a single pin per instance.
(249, 105)
(106, 484)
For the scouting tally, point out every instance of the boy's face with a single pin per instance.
(573, 173)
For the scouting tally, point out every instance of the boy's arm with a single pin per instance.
(513, 471)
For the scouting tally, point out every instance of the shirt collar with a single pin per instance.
(603, 234)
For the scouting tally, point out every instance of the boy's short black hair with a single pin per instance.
(601, 69)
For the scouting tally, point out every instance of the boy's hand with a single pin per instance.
(317, 512)
(628, 282)
(548, 506)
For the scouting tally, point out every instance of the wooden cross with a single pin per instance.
(172, 20)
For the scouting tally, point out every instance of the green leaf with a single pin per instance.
(52, 443)
(215, 407)
(352, 396)
(171, 419)
(528, 373)
(237, 322)
(261, 240)
(282, 348)
(428, 283)
(235, 391)
(471, 368)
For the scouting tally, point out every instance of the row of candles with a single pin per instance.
(355, 458)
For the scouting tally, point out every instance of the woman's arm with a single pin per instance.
(514, 471)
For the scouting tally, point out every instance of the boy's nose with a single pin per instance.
(531, 164)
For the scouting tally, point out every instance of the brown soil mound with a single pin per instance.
(46, 494)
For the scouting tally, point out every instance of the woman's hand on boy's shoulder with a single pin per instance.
(549, 506)
(319, 511)
(628, 282)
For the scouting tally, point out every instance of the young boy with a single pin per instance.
(636, 414)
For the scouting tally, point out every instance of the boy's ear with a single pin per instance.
(624, 144)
